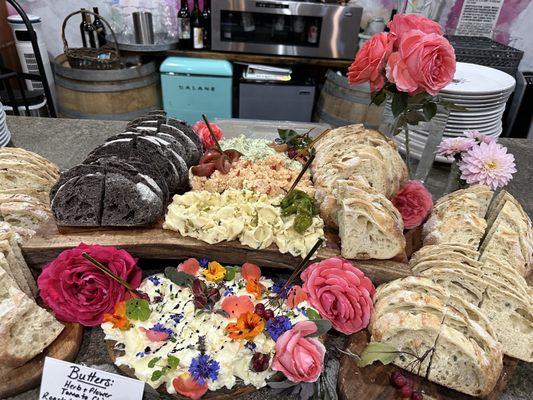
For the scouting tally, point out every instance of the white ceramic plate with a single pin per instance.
(478, 80)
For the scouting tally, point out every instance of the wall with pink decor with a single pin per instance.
(513, 26)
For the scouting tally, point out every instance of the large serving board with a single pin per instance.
(157, 243)
(223, 394)
(372, 382)
(28, 376)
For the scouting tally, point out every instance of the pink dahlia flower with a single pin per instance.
(477, 135)
(452, 146)
(488, 164)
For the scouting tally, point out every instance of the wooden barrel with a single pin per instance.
(340, 104)
(119, 94)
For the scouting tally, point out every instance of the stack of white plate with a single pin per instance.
(5, 135)
(482, 91)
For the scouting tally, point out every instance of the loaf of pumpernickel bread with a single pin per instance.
(129, 179)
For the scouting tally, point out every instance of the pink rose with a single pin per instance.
(340, 292)
(404, 23)
(79, 292)
(301, 359)
(202, 131)
(369, 63)
(414, 203)
(423, 63)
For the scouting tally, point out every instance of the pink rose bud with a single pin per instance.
(414, 203)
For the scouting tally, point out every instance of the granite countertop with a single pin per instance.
(67, 142)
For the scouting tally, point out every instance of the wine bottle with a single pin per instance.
(206, 15)
(99, 28)
(184, 26)
(197, 23)
(87, 30)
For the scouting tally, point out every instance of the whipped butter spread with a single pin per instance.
(173, 311)
(252, 218)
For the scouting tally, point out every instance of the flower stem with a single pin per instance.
(407, 150)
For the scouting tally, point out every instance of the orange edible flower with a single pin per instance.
(188, 387)
(118, 318)
(254, 287)
(296, 296)
(247, 327)
(214, 272)
(250, 271)
(235, 306)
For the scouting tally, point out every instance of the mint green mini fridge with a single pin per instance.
(195, 86)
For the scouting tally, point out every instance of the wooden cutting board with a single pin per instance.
(157, 243)
(28, 376)
(222, 394)
(372, 382)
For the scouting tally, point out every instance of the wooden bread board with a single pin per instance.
(28, 376)
(372, 382)
(158, 243)
(222, 394)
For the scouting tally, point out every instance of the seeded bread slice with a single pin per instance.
(512, 319)
(26, 329)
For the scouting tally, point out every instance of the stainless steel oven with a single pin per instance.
(290, 28)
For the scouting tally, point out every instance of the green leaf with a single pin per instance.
(283, 133)
(156, 375)
(312, 314)
(414, 117)
(153, 362)
(180, 278)
(383, 352)
(419, 98)
(430, 110)
(173, 362)
(399, 103)
(138, 309)
(378, 98)
(322, 325)
(230, 273)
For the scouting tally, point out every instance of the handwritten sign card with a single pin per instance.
(66, 381)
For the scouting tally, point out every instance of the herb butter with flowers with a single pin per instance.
(208, 326)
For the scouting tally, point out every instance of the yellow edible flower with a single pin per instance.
(214, 272)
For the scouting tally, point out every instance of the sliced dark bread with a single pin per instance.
(78, 202)
(126, 169)
(127, 203)
(188, 131)
(145, 169)
(191, 153)
(149, 152)
(78, 170)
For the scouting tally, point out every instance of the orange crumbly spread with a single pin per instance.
(269, 175)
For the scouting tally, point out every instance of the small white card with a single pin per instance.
(66, 381)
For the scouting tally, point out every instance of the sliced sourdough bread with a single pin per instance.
(25, 215)
(40, 195)
(505, 243)
(366, 232)
(26, 329)
(512, 319)
(13, 267)
(466, 229)
(28, 156)
(17, 261)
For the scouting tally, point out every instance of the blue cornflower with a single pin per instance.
(161, 328)
(277, 326)
(204, 262)
(176, 318)
(203, 368)
(302, 310)
(140, 354)
(277, 288)
(228, 291)
(155, 280)
(250, 346)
